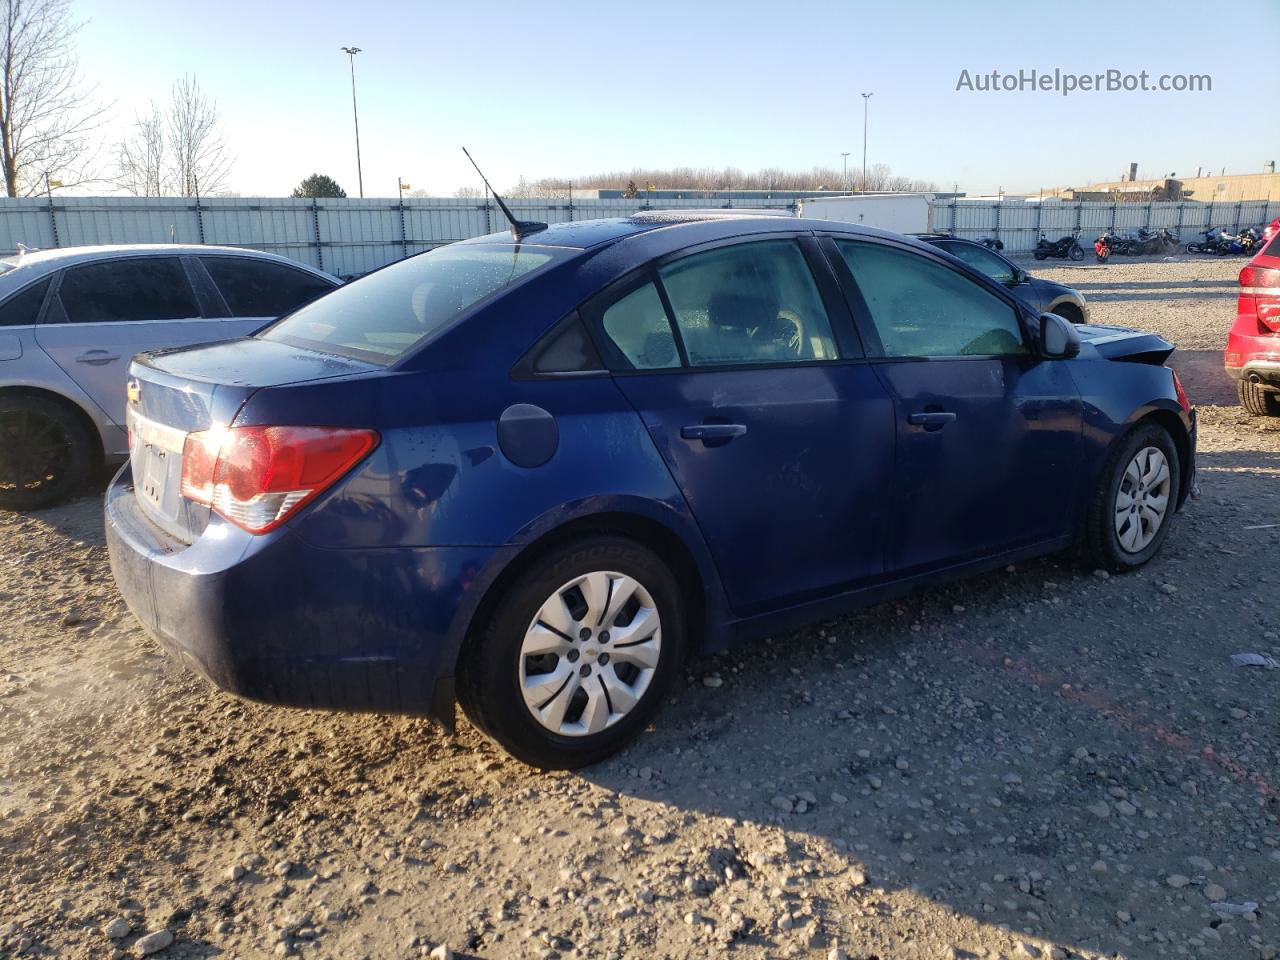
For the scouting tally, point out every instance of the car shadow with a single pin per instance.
(967, 744)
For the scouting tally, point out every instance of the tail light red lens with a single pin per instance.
(1260, 295)
(257, 477)
(1183, 399)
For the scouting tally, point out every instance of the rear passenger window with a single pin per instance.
(257, 288)
(922, 309)
(150, 288)
(23, 307)
(638, 333)
(750, 303)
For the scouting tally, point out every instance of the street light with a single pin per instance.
(351, 57)
(865, 98)
(844, 167)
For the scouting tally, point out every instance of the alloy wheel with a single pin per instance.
(590, 653)
(1142, 499)
(37, 451)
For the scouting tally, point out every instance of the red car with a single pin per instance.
(1252, 356)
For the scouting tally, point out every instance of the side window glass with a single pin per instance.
(148, 288)
(23, 307)
(638, 333)
(997, 268)
(923, 309)
(750, 303)
(257, 288)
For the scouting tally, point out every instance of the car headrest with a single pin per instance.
(742, 310)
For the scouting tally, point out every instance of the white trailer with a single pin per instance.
(900, 212)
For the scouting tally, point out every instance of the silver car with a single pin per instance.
(71, 320)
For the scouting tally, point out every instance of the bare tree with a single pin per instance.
(705, 180)
(46, 115)
(140, 159)
(198, 158)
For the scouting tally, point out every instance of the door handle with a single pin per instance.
(96, 357)
(934, 419)
(713, 431)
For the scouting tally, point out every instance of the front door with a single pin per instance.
(988, 433)
(783, 451)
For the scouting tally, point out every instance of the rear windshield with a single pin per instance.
(381, 316)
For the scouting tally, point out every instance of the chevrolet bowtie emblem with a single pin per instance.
(134, 392)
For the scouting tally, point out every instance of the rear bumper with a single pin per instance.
(276, 620)
(1253, 356)
(1259, 371)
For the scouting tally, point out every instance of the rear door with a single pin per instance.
(746, 371)
(103, 313)
(256, 291)
(988, 433)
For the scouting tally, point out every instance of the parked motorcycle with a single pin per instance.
(1102, 247)
(1211, 242)
(1065, 248)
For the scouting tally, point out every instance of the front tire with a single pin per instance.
(1076, 252)
(577, 653)
(46, 453)
(1257, 400)
(1129, 514)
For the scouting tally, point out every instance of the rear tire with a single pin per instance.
(1126, 522)
(46, 452)
(1076, 252)
(560, 620)
(1257, 400)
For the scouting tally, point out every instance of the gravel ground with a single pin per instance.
(1040, 762)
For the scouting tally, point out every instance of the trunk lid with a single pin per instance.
(173, 393)
(1125, 344)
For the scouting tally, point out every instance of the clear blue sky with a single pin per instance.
(572, 88)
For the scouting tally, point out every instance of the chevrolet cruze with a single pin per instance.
(531, 472)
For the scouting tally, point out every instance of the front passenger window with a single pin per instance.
(922, 309)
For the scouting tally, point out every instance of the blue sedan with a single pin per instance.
(532, 472)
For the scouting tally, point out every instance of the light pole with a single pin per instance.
(844, 167)
(351, 57)
(865, 98)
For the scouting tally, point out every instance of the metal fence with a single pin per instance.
(343, 237)
(351, 236)
(1019, 224)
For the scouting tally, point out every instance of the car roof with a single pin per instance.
(33, 262)
(712, 225)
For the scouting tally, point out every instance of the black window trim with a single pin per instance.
(848, 340)
(862, 313)
(523, 368)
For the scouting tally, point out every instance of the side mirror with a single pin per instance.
(1059, 340)
(1017, 277)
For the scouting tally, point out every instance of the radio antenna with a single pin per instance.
(519, 228)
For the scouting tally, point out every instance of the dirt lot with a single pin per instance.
(1042, 762)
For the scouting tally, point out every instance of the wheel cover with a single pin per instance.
(590, 653)
(36, 449)
(1142, 499)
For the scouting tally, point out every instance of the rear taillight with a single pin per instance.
(1183, 400)
(1260, 295)
(257, 477)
